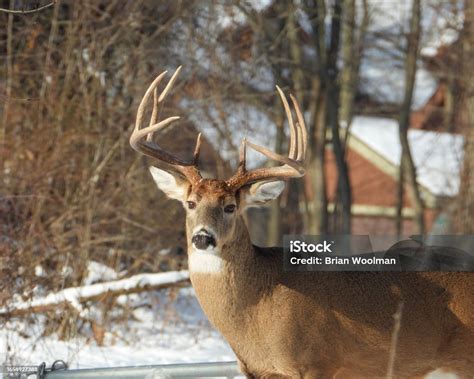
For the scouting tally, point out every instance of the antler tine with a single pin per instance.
(197, 149)
(242, 154)
(293, 130)
(154, 113)
(292, 164)
(143, 103)
(138, 132)
(147, 146)
(303, 135)
(277, 157)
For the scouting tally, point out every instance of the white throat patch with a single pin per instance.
(205, 261)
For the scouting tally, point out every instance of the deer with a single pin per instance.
(302, 324)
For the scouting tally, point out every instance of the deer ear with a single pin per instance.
(173, 186)
(260, 193)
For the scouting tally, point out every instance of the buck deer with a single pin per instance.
(302, 325)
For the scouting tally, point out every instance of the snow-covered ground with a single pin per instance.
(163, 331)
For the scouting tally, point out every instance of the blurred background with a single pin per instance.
(386, 86)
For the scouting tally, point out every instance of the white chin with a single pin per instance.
(205, 261)
(208, 250)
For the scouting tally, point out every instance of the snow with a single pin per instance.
(384, 80)
(73, 295)
(161, 327)
(382, 74)
(162, 331)
(164, 252)
(231, 15)
(437, 156)
(98, 272)
(39, 271)
(443, 21)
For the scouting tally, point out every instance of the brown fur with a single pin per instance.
(326, 324)
(315, 324)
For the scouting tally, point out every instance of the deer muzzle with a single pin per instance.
(203, 240)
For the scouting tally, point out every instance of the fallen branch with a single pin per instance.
(74, 296)
(19, 11)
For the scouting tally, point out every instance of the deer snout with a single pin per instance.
(203, 239)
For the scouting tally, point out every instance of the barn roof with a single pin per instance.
(437, 156)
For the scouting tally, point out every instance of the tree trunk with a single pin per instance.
(399, 205)
(347, 90)
(316, 209)
(406, 163)
(467, 182)
(298, 86)
(344, 196)
(353, 40)
(9, 79)
(327, 70)
(316, 201)
(295, 53)
(450, 103)
(274, 231)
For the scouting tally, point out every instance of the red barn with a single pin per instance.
(373, 157)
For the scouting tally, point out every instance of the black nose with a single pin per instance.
(203, 239)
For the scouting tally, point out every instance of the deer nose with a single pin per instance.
(203, 239)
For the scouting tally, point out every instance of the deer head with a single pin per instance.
(214, 207)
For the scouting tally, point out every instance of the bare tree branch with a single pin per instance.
(21, 11)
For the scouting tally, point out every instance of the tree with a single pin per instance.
(352, 49)
(407, 171)
(328, 72)
(466, 203)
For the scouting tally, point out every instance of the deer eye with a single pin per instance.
(229, 208)
(191, 204)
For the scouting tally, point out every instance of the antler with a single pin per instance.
(292, 164)
(141, 138)
(141, 141)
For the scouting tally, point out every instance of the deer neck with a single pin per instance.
(230, 257)
(228, 279)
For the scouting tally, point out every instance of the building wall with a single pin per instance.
(372, 188)
(370, 185)
(379, 226)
